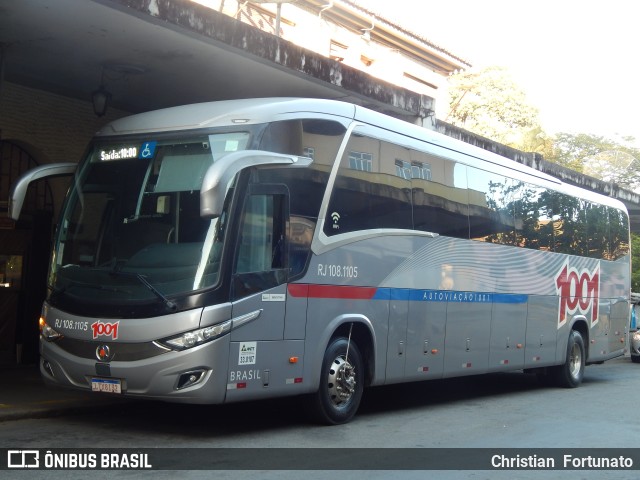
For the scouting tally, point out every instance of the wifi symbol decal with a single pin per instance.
(335, 216)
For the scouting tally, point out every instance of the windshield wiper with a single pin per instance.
(169, 304)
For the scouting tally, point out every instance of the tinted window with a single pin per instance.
(452, 199)
(261, 249)
(597, 227)
(368, 193)
(570, 229)
(440, 195)
(306, 188)
(533, 219)
(619, 233)
(319, 140)
(491, 207)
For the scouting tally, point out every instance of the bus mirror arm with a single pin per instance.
(221, 173)
(19, 190)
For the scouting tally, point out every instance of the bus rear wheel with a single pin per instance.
(341, 383)
(571, 373)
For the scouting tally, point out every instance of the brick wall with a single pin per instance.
(52, 128)
(58, 128)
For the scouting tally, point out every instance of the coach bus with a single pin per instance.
(246, 249)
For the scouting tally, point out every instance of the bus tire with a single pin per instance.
(571, 373)
(635, 358)
(341, 383)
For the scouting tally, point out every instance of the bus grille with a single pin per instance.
(120, 352)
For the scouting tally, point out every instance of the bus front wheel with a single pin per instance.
(341, 383)
(570, 374)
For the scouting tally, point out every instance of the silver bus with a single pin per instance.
(246, 249)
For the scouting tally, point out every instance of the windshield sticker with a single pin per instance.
(247, 355)
(231, 146)
(335, 216)
(148, 150)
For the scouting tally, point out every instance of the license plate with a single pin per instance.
(109, 385)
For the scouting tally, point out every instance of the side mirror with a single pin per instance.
(222, 172)
(19, 190)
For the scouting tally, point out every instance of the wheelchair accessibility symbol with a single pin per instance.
(148, 149)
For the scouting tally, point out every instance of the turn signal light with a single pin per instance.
(48, 333)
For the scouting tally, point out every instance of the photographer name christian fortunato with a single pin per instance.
(567, 462)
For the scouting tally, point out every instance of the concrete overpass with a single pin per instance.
(157, 53)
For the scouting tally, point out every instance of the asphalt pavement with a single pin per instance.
(23, 394)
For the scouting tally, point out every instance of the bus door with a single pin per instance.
(260, 360)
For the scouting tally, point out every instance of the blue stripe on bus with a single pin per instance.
(402, 294)
(447, 296)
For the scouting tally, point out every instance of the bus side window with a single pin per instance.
(300, 236)
(491, 212)
(619, 233)
(440, 195)
(368, 192)
(305, 187)
(260, 261)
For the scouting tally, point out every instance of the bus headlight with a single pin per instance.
(47, 332)
(197, 337)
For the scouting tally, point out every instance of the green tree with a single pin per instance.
(536, 140)
(607, 159)
(489, 103)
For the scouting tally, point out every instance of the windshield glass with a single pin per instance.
(131, 229)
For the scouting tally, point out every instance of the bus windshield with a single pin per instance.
(131, 230)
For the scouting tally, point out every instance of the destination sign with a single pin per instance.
(127, 152)
(123, 153)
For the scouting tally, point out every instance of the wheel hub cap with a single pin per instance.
(575, 361)
(342, 381)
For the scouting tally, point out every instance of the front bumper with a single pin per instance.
(159, 376)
